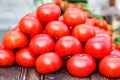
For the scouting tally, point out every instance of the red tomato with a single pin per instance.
(25, 58)
(68, 45)
(81, 65)
(14, 39)
(109, 66)
(98, 47)
(101, 24)
(48, 12)
(57, 29)
(115, 50)
(61, 19)
(48, 63)
(83, 32)
(30, 25)
(63, 5)
(74, 16)
(41, 43)
(7, 57)
(90, 21)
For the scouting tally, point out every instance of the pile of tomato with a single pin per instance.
(54, 37)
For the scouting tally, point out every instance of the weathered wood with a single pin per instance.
(19, 73)
(63, 75)
(33, 75)
(13, 73)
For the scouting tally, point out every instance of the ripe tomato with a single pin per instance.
(48, 63)
(48, 12)
(74, 16)
(7, 57)
(115, 50)
(98, 47)
(63, 5)
(110, 66)
(30, 25)
(14, 39)
(101, 24)
(90, 21)
(83, 32)
(57, 29)
(81, 65)
(61, 19)
(25, 58)
(41, 43)
(68, 45)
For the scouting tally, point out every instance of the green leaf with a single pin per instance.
(117, 29)
(97, 16)
(117, 40)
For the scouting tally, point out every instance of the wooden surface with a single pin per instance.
(19, 73)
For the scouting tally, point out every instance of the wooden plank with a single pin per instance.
(63, 75)
(13, 73)
(32, 74)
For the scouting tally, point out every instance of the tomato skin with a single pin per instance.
(68, 45)
(74, 16)
(109, 66)
(30, 24)
(41, 43)
(14, 39)
(81, 65)
(98, 47)
(57, 29)
(48, 63)
(101, 24)
(83, 32)
(48, 12)
(25, 58)
(61, 19)
(7, 57)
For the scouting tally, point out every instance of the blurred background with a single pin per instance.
(12, 10)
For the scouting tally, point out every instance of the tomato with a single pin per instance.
(90, 21)
(25, 58)
(80, 7)
(81, 65)
(109, 66)
(41, 43)
(61, 19)
(63, 5)
(98, 47)
(48, 12)
(115, 50)
(101, 23)
(83, 32)
(30, 25)
(68, 45)
(7, 57)
(48, 63)
(14, 39)
(57, 29)
(74, 16)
